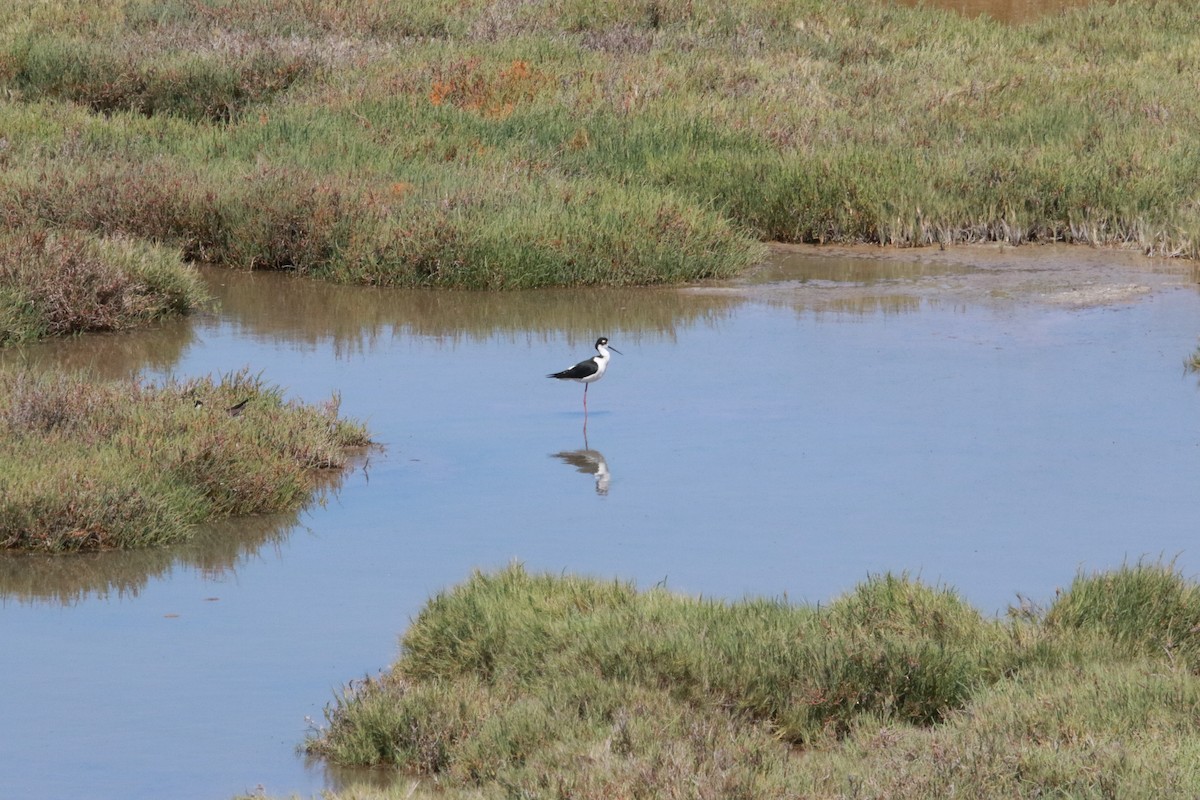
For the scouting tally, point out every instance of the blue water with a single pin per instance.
(752, 447)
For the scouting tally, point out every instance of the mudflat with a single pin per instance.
(867, 276)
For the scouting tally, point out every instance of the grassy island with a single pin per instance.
(494, 144)
(68, 282)
(86, 465)
(538, 686)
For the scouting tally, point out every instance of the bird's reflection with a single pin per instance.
(589, 462)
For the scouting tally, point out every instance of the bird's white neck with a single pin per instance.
(601, 359)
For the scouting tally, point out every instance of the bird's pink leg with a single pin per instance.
(585, 388)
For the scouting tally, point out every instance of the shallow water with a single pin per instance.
(784, 435)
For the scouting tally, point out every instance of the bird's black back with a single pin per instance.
(581, 370)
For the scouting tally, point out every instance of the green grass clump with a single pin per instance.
(1144, 608)
(172, 78)
(1192, 362)
(57, 283)
(1126, 729)
(525, 685)
(485, 144)
(457, 234)
(87, 465)
(811, 674)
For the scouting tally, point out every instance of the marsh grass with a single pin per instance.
(88, 465)
(1192, 362)
(515, 684)
(493, 144)
(1145, 610)
(457, 235)
(66, 282)
(201, 84)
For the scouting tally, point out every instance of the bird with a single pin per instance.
(589, 370)
(234, 410)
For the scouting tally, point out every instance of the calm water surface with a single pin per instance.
(748, 442)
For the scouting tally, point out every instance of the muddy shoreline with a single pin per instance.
(866, 277)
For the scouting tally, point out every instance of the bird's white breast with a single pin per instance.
(601, 362)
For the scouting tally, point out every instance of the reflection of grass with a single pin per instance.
(552, 686)
(1192, 364)
(157, 348)
(501, 144)
(215, 548)
(88, 465)
(275, 305)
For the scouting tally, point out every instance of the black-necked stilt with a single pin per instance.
(590, 370)
(234, 410)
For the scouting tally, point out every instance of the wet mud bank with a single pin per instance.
(869, 278)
